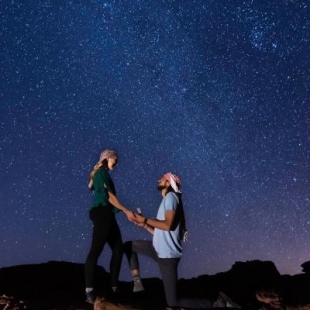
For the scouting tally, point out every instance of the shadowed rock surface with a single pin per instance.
(60, 285)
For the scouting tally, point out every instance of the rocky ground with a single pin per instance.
(253, 285)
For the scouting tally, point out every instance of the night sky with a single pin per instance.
(216, 91)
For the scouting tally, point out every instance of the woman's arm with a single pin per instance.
(117, 204)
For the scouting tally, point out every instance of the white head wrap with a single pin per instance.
(174, 180)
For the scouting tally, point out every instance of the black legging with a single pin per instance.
(105, 230)
(169, 273)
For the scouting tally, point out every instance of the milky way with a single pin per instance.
(216, 91)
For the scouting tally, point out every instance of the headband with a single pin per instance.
(174, 180)
(107, 154)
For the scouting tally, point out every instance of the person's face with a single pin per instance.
(112, 162)
(163, 183)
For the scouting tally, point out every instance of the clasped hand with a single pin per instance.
(137, 219)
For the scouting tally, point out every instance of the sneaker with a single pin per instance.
(223, 301)
(117, 297)
(91, 297)
(138, 286)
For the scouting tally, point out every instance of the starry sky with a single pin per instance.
(216, 91)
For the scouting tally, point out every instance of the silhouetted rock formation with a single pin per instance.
(50, 282)
(60, 285)
(306, 267)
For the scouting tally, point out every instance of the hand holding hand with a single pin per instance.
(130, 215)
(139, 219)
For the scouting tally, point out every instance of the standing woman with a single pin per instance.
(105, 226)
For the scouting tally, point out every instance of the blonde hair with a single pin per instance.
(102, 164)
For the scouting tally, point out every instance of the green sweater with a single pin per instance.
(103, 184)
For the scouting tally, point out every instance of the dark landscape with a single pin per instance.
(60, 286)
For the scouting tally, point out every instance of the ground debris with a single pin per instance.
(10, 303)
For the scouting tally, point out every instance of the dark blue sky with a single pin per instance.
(216, 91)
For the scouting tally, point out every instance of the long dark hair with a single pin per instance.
(180, 216)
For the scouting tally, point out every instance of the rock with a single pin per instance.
(60, 286)
(306, 267)
(10, 303)
(102, 304)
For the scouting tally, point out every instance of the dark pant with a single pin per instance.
(169, 273)
(105, 230)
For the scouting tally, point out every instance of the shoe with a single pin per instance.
(116, 296)
(223, 301)
(114, 293)
(138, 286)
(91, 297)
